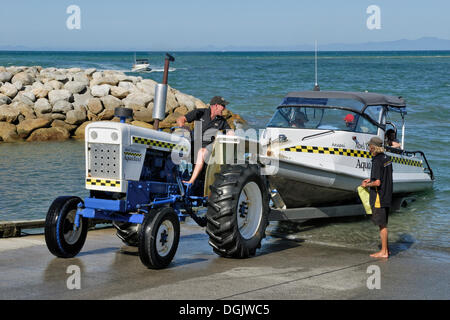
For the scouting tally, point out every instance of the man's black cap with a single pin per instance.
(218, 100)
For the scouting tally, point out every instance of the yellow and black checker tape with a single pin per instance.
(407, 162)
(102, 182)
(133, 154)
(349, 153)
(157, 143)
(326, 150)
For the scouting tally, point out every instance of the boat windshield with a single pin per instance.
(322, 119)
(348, 103)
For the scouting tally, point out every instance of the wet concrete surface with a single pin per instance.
(282, 269)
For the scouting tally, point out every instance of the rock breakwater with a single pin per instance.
(44, 104)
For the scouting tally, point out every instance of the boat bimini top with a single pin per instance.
(328, 109)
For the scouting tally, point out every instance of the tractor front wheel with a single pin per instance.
(62, 237)
(159, 237)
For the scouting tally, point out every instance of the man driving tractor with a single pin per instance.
(211, 121)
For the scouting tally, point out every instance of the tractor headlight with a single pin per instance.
(94, 135)
(114, 136)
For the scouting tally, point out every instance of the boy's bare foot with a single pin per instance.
(380, 254)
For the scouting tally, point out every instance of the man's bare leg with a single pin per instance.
(384, 253)
(198, 166)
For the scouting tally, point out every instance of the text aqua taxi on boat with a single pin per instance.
(322, 147)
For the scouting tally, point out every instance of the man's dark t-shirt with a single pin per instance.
(381, 170)
(204, 115)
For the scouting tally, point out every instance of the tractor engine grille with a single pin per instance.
(104, 160)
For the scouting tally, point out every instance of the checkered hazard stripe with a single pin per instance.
(102, 182)
(349, 153)
(157, 143)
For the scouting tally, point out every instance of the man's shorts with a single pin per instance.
(380, 216)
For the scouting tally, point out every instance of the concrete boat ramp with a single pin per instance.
(282, 269)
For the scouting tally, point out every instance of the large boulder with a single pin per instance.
(185, 100)
(4, 99)
(9, 90)
(171, 102)
(25, 110)
(170, 120)
(40, 92)
(79, 132)
(75, 117)
(130, 87)
(137, 101)
(8, 132)
(75, 86)
(81, 77)
(89, 72)
(110, 102)
(42, 106)
(55, 84)
(49, 134)
(95, 105)
(82, 99)
(119, 92)
(142, 124)
(24, 77)
(100, 90)
(106, 114)
(144, 115)
(61, 123)
(5, 76)
(62, 106)
(199, 104)
(27, 126)
(58, 95)
(8, 114)
(112, 80)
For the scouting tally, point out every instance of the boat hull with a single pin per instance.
(303, 186)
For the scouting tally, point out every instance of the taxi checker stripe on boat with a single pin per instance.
(348, 153)
(103, 182)
(156, 143)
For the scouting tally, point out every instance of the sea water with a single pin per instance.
(33, 174)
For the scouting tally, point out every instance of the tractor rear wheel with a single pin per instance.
(238, 209)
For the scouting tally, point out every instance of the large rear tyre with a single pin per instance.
(159, 237)
(238, 211)
(62, 238)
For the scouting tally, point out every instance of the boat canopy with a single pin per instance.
(322, 97)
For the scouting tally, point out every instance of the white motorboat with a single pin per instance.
(320, 158)
(141, 65)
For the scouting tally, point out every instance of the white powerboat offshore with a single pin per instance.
(320, 159)
(141, 65)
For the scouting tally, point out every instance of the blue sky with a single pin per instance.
(200, 24)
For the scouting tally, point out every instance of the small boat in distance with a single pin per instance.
(140, 65)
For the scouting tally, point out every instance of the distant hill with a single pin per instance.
(424, 43)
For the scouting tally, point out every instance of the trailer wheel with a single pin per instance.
(158, 238)
(62, 239)
(238, 211)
